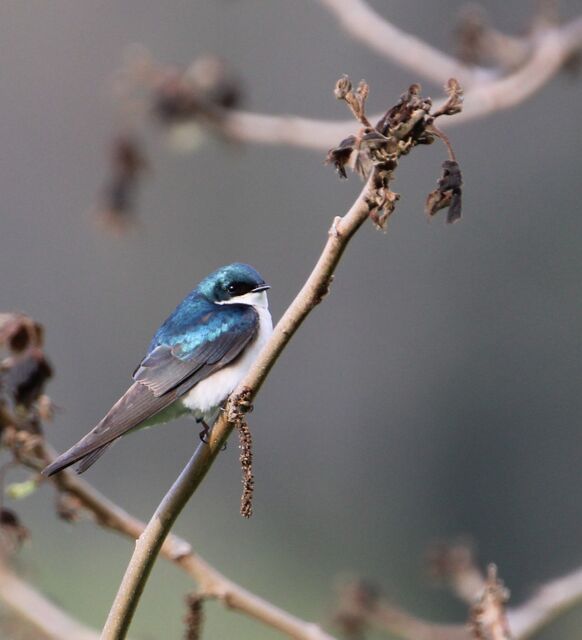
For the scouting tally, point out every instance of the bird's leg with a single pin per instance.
(205, 433)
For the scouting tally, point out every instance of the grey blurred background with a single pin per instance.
(435, 393)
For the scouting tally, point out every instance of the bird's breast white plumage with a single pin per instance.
(204, 399)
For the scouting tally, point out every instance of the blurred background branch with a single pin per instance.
(44, 619)
(206, 96)
(550, 48)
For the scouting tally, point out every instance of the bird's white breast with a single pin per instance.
(204, 399)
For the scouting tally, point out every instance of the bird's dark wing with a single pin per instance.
(216, 340)
(137, 404)
(164, 375)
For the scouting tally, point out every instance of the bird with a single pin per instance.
(194, 362)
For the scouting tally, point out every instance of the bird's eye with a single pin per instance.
(238, 288)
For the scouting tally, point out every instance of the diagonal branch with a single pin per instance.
(150, 542)
(550, 601)
(364, 24)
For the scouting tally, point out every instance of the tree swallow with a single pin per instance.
(194, 362)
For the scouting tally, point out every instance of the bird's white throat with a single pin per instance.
(204, 398)
(254, 298)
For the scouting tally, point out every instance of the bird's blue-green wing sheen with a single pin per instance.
(180, 360)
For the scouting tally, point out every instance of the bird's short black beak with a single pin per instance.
(260, 288)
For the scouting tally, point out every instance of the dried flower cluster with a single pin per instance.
(238, 408)
(194, 617)
(405, 125)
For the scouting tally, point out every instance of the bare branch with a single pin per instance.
(550, 601)
(360, 607)
(551, 48)
(363, 23)
(32, 606)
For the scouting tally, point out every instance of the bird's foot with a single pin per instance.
(205, 433)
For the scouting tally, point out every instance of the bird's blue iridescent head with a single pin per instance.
(230, 282)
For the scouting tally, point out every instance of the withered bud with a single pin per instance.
(448, 194)
(356, 100)
(342, 87)
(454, 103)
(363, 90)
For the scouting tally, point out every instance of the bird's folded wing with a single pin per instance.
(197, 353)
(166, 373)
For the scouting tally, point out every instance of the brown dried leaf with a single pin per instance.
(404, 126)
(128, 163)
(448, 194)
(25, 371)
(26, 376)
(340, 156)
